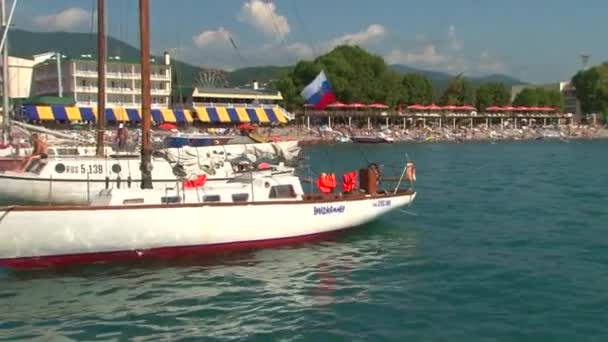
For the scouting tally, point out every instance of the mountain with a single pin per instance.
(25, 44)
(440, 80)
(508, 80)
(431, 75)
(261, 74)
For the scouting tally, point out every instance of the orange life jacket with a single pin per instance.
(349, 181)
(326, 182)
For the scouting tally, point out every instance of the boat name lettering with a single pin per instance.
(382, 203)
(330, 209)
(84, 168)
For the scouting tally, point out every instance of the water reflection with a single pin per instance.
(265, 290)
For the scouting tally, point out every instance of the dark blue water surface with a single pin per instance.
(505, 242)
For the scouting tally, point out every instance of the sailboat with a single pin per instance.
(71, 175)
(249, 211)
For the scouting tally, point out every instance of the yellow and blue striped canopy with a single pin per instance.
(221, 114)
(216, 114)
(70, 113)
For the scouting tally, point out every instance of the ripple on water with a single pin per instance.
(507, 243)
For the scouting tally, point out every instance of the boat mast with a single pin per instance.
(101, 75)
(5, 104)
(146, 99)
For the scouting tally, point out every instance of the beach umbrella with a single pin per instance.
(378, 105)
(450, 107)
(166, 126)
(337, 104)
(433, 106)
(495, 108)
(467, 107)
(416, 107)
(355, 105)
(246, 127)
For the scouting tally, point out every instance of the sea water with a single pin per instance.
(504, 242)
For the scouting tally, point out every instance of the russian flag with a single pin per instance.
(318, 92)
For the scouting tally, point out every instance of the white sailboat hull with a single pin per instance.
(76, 179)
(40, 237)
(24, 189)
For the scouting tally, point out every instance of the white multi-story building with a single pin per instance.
(123, 85)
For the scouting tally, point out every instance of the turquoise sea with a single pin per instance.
(505, 242)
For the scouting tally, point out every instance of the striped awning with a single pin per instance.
(70, 113)
(218, 114)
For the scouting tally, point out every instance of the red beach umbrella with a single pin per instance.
(337, 104)
(378, 105)
(166, 126)
(355, 105)
(246, 127)
(495, 108)
(416, 107)
(433, 106)
(467, 107)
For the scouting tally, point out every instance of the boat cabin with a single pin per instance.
(245, 188)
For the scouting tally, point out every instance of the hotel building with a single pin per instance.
(76, 77)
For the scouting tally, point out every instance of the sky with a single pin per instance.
(536, 41)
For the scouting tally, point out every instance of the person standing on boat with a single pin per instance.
(39, 146)
(122, 136)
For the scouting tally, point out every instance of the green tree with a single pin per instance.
(355, 75)
(492, 94)
(556, 99)
(460, 91)
(289, 91)
(526, 97)
(417, 89)
(592, 89)
(540, 97)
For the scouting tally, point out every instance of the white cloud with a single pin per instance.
(275, 52)
(489, 63)
(219, 37)
(262, 15)
(68, 19)
(453, 42)
(373, 33)
(427, 56)
(444, 55)
(300, 50)
(452, 32)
